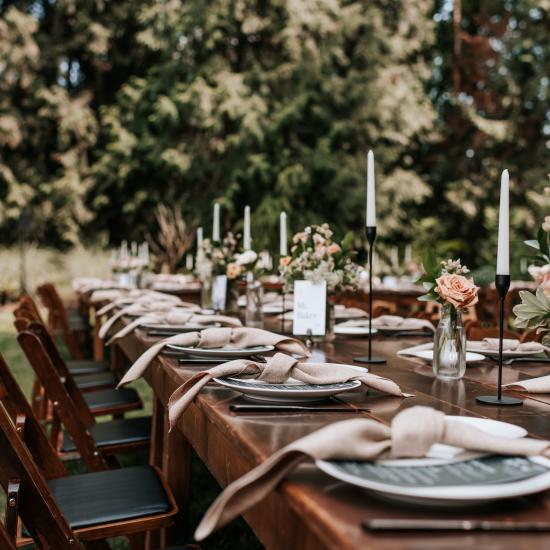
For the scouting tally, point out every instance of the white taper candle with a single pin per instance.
(247, 239)
(283, 245)
(503, 251)
(371, 192)
(216, 223)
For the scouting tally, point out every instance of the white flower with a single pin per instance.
(246, 258)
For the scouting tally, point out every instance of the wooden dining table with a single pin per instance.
(310, 510)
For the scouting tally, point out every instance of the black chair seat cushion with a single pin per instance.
(85, 381)
(110, 398)
(110, 496)
(87, 366)
(116, 432)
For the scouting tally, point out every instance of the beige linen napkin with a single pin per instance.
(392, 322)
(508, 344)
(277, 370)
(341, 311)
(541, 384)
(176, 317)
(138, 296)
(217, 338)
(412, 433)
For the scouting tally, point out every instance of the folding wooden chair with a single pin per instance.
(72, 326)
(48, 363)
(28, 310)
(62, 512)
(5, 540)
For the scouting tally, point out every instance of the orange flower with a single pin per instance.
(285, 260)
(457, 290)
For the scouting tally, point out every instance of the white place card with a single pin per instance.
(310, 308)
(219, 292)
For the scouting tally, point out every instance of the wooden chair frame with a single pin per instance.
(38, 509)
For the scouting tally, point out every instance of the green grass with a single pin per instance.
(204, 487)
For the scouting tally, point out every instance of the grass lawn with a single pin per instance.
(204, 488)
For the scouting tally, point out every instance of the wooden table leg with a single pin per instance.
(177, 468)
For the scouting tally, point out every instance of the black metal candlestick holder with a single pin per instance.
(502, 283)
(371, 237)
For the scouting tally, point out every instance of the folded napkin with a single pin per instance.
(99, 296)
(176, 317)
(137, 296)
(343, 311)
(217, 338)
(412, 433)
(277, 370)
(413, 350)
(508, 344)
(541, 384)
(392, 322)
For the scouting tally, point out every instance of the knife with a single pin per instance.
(291, 408)
(399, 524)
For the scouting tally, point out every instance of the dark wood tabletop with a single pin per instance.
(310, 510)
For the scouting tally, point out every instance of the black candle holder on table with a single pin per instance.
(370, 360)
(502, 283)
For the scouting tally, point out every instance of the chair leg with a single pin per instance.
(97, 545)
(137, 541)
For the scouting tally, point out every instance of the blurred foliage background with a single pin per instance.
(109, 108)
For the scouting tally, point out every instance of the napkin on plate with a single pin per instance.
(341, 311)
(392, 322)
(277, 370)
(217, 338)
(173, 317)
(541, 384)
(412, 433)
(508, 344)
(137, 296)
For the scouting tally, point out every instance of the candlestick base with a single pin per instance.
(495, 401)
(371, 361)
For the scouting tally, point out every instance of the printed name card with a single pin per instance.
(219, 292)
(310, 308)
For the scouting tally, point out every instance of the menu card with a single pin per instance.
(310, 308)
(219, 292)
(480, 471)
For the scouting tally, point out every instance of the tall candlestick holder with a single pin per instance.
(502, 283)
(371, 237)
(283, 298)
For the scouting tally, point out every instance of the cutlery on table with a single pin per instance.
(291, 408)
(416, 524)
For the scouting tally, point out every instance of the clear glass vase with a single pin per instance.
(206, 293)
(329, 335)
(449, 361)
(254, 314)
(232, 297)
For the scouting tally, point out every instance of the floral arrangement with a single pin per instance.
(216, 258)
(534, 310)
(316, 257)
(447, 284)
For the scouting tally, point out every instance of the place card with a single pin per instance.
(219, 292)
(310, 308)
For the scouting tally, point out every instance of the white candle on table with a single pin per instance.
(216, 223)
(200, 237)
(371, 192)
(283, 249)
(189, 262)
(503, 251)
(247, 239)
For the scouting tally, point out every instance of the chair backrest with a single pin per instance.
(474, 332)
(27, 425)
(63, 393)
(29, 496)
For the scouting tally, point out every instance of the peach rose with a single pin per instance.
(333, 248)
(233, 271)
(285, 260)
(457, 290)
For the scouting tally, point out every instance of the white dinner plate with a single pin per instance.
(505, 354)
(353, 331)
(455, 496)
(227, 352)
(293, 391)
(428, 355)
(441, 455)
(178, 328)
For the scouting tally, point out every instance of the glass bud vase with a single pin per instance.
(449, 360)
(254, 314)
(206, 293)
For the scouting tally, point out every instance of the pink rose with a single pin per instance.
(333, 248)
(457, 290)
